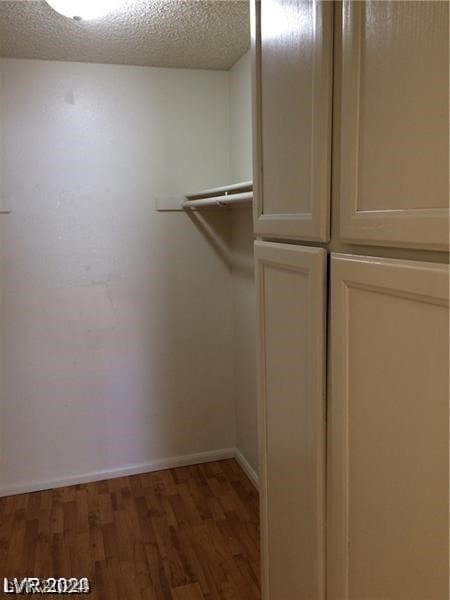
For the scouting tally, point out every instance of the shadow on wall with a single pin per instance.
(210, 223)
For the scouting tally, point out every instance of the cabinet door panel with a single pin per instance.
(291, 304)
(292, 42)
(394, 123)
(388, 477)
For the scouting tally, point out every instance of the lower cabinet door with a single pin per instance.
(388, 449)
(291, 289)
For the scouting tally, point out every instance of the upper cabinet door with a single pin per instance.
(290, 283)
(292, 50)
(394, 124)
(388, 467)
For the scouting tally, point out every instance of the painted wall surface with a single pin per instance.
(116, 321)
(241, 165)
(2, 217)
(244, 298)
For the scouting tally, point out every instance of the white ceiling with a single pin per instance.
(196, 34)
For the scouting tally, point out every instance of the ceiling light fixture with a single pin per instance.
(82, 10)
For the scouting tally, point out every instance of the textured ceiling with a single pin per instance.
(196, 34)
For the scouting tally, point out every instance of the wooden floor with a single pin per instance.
(182, 534)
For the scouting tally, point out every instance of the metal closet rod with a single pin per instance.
(243, 186)
(223, 200)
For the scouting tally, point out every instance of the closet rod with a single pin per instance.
(234, 187)
(220, 200)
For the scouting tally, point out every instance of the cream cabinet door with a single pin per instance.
(394, 124)
(291, 304)
(388, 446)
(292, 50)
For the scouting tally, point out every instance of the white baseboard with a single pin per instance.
(247, 468)
(156, 465)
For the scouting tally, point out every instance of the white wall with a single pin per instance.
(1, 229)
(244, 299)
(241, 165)
(116, 320)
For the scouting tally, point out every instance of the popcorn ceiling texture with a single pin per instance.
(194, 34)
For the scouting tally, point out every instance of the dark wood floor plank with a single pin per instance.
(190, 533)
(188, 592)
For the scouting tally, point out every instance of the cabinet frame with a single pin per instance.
(426, 228)
(313, 225)
(312, 263)
(421, 282)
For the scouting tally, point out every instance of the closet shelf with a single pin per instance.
(236, 193)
